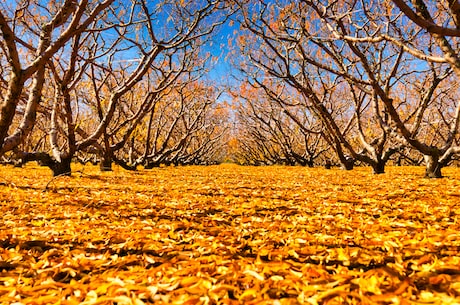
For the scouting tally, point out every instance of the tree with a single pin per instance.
(181, 126)
(445, 43)
(31, 36)
(353, 57)
(293, 50)
(281, 134)
(114, 47)
(431, 55)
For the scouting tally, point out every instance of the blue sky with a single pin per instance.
(222, 70)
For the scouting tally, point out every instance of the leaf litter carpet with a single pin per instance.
(229, 235)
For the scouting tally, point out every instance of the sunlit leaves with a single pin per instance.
(229, 235)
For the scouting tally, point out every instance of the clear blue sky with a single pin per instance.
(221, 48)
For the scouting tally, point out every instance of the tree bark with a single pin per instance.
(62, 168)
(58, 168)
(347, 163)
(378, 167)
(105, 164)
(151, 164)
(125, 165)
(433, 167)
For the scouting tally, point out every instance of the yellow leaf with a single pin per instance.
(254, 274)
(249, 294)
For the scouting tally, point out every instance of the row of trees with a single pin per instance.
(119, 80)
(319, 82)
(367, 79)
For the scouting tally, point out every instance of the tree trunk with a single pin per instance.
(59, 168)
(151, 164)
(378, 167)
(124, 164)
(8, 107)
(106, 163)
(433, 167)
(62, 168)
(348, 166)
(347, 162)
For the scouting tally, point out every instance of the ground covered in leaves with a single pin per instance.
(229, 235)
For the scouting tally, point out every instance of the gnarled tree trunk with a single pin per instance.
(378, 167)
(105, 164)
(433, 167)
(61, 168)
